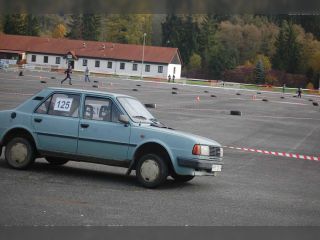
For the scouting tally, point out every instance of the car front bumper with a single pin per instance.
(200, 164)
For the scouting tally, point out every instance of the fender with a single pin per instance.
(151, 140)
(22, 128)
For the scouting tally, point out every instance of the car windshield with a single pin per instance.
(135, 109)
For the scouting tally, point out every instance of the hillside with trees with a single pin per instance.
(262, 49)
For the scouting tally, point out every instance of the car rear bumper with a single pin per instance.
(199, 164)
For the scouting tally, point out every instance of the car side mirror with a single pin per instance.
(124, 119)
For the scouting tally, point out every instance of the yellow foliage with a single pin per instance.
(248, 63)
(265, 61)
(310, 86)
(315, 61)
(59, 31)
(195, 62)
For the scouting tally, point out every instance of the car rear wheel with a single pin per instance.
(151, 170)
(19, 153)
(182, 178)
(56, 160)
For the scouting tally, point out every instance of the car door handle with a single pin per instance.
(38, 120)
(84, 125)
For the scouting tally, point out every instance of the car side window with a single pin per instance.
(100, 109)
(66, 105)
(44, 107)
(115, 113)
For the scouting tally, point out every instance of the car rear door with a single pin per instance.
(56, 123)
(101, 135)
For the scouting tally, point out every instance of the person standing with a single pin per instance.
(283, 88)
(169, 78)
(86, 75)
(173, 77)
(68, 75)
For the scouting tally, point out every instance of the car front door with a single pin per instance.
(101, 135)
(56, 123)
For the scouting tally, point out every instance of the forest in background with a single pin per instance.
(261, 49)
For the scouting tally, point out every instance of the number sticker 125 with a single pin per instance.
(63, 104)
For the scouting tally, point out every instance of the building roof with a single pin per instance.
(89, 49)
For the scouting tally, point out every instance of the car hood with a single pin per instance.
(197, 139)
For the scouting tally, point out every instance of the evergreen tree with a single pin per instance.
(288, 49)
(182, 33)
(259, 72)
(91, 27)
(75, 27)
(21, 24)
(14, 24)
(32, 27)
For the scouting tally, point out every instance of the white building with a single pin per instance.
(100, 57)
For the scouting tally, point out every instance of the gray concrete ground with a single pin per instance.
(253, 189)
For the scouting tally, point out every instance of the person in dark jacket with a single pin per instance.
(299, 92)
(68, 75)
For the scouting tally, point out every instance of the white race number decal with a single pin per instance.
(63, 104)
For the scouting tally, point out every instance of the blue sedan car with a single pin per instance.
(105, 128)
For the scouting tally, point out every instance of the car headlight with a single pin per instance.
(201, 150)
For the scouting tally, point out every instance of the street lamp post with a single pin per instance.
(144, 42)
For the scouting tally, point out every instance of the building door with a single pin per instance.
(71, 63)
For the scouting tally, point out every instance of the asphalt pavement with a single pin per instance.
(252, 189)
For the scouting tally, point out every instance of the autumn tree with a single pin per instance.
(128, 28)
(194, 62)
(59, 31)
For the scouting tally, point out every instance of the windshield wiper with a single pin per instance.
(141, 117)
(156, 123)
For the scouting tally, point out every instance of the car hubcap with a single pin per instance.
(19, 153)
(150, 170)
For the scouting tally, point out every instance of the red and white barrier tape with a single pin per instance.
(280, 154)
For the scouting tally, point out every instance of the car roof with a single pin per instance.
(76, 90)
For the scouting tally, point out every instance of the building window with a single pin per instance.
(97, 64)
(84, 62)
(134, 67)
(160, 69)
(58, 59)
(45, 59)
(174, 70)
(109, 64)
(33, 58)
(122, 66)
(147, 68)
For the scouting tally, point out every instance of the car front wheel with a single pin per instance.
(151, 170)
(56, 160)
(19, 153)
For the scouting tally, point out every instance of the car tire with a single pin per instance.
(20, 153)
(56, 160)
(182, 178)
(151, 171)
